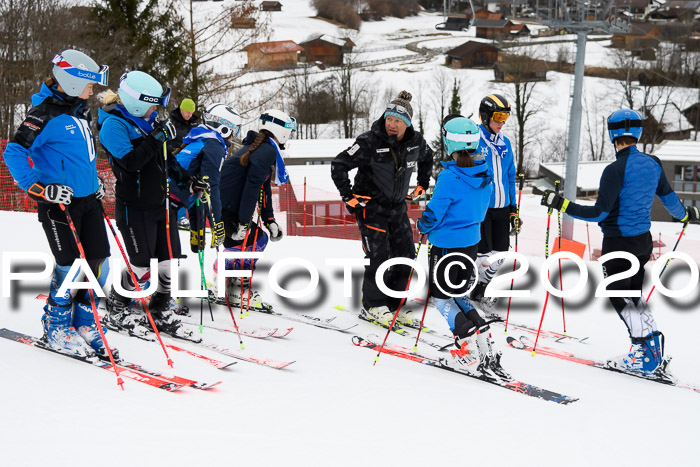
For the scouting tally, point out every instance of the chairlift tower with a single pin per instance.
(581, 18)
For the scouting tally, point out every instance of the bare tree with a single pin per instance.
(441, 97)
(351, 97)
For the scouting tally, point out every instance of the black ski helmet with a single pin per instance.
(490, 104)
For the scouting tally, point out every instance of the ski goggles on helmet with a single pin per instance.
(398, 108)
(500, 117)
(235, 129)
(292, 125)
(461, 137)
(156, 100)
(100, 77)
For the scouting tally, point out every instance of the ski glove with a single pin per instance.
(200, 186)
(100, 193)
(515, 221)
(417, 194)
(194, 241)
(53, 193)
(692, 214)
(218, 234)
(276, 233)
(240, 233)
(163, 130)
(553, 201)
(356, 201)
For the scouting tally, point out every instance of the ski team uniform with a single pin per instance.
(495, 229)
(56, 136)
(451, 219)
(384, 167)
(139, 167)
(203, 154)
(627, 189)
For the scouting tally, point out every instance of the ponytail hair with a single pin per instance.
(262, 134)
(463, 158)
(108, 97)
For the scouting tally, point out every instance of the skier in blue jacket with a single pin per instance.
(502, 215)
(203, 153)
(56, 135)
(623, 211)
(452, 221)
(135, 141)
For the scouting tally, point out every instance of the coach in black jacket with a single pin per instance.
(384, 158)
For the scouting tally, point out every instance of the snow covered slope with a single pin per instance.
(332, 407)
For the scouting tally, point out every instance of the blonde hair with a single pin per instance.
(108, 97)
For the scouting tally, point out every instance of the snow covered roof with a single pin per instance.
(274, 47)
(316, 148)
(491, 23)
(325, 37)
(685, 151)
(671, 116)
(589, 173)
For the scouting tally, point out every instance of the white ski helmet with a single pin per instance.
(222, 119)
(139, 91)
(74, 70)
(279, 124)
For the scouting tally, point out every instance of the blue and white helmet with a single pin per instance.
(74, 70)
(625, 122)
(139, 91)
(279, 124)
(222, 119)
(459, 134)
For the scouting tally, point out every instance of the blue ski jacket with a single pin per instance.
(56, 135)
(452, 218)
(499, 158)
(627, 189)
(203, 155)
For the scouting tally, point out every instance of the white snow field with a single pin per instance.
(332, 406)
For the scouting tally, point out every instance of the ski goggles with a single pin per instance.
(398, 108)
(500, 117)
(156, 100)
(461, 137)
(100, 77)
(292, 125)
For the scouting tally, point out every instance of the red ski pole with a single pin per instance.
(561, 283)
(521, 180)
(136, 284)
(425, 308)
(91, 293)
(396, 314)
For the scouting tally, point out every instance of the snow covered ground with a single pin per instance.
(332, 407)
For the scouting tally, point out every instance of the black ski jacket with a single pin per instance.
(182, 127)
(384, 165)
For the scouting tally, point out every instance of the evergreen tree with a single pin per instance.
(456, 102)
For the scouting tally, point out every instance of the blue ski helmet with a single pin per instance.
(74, 70)
(625, 122)
(459, 134)
(138, 91)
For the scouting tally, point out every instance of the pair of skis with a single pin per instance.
(128, 370)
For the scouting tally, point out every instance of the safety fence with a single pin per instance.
(310, 211)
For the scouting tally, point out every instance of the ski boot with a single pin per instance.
(120, 317)
(406, 317)
(60, 336)
(489, 360)
(84, 322)
(645, 356)
(485, 304)
(238, 294)
(166, 320)
(465, 355)
(380, 315)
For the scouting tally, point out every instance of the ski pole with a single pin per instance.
(167, 202)
(136, 285)
(685, 226)
(425, 308)
(561, 279)
(396, 313)
(546, 255)
(120, 382)
(521, 180)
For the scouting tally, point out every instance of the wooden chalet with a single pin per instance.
(272, 54)
(495, 29)
(325, 49)
(270, 6)
(517, 68)
(472, 54)
(641, 35)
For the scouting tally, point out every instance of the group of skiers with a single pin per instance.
(472, 212)
(53, 157)
(470, 217)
